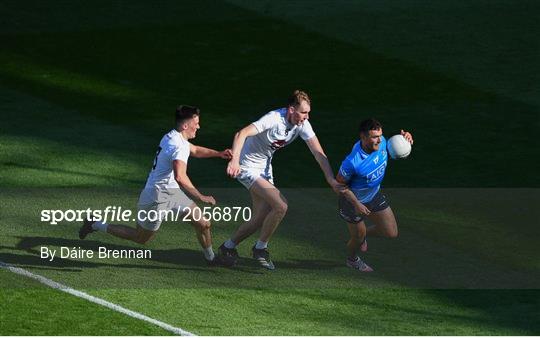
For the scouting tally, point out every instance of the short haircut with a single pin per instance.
(297, 97)
(184, 112)
(369, 124)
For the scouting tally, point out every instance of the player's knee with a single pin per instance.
(280, 209)
(392, 232)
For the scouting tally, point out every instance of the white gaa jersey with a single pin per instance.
(172, 147)
(275, 132)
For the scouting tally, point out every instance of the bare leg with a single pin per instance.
(204, 236)
(358, 234)
(138, 235)
(385, 224)
(202, 228)
(260, 211)
(277, 204)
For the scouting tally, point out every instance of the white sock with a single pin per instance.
(100, 226)
(229, 244)
(261, 245)
(209, 253)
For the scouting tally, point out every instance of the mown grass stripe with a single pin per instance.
(99, 301)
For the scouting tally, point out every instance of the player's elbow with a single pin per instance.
(243, 133)
(181, 180)
(239, 134)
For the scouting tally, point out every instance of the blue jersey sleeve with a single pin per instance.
(347, 169)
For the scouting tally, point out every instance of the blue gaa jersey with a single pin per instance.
(364, 172)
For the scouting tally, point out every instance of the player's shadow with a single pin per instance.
(179, 259)
(315, 264)
(182, 259)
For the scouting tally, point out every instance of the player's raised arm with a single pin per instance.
(316, 149)
(203, 152)
(233, 168)
(180, 175)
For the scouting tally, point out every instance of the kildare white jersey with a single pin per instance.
(275, 132)
(172, 147)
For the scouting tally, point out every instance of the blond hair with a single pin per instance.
(297, 97)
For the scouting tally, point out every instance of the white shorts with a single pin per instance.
(154, 203)
(248, 176)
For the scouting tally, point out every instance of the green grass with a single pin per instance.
(437, 278)
(348, 311)
(87, 90)
(132, 75)
(32, 309)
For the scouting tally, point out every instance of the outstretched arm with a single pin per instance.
(318, 152)
(349, 195)
(203, 152)
(180, 175)
(233, 168)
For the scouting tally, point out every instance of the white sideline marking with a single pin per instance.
(102, 302)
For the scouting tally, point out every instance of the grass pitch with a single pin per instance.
(86, 92)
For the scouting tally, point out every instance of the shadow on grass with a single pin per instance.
(442, 312)
(505, 308)
(244, 74)
(72, 172)
(179, 257)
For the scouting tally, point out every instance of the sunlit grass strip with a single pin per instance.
(21, 68)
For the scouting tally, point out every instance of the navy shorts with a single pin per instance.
(349, 214)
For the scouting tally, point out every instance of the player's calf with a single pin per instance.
(142, 236)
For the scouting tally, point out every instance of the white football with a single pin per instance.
(398, 147)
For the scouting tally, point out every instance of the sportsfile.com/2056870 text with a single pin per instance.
(119, 214)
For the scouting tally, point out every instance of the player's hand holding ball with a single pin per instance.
(400, 146)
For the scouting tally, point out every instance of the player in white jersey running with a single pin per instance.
(162, 191)
(251, 163)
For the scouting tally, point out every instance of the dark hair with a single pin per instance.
(297, 97)
(369, 124)
(184, 112)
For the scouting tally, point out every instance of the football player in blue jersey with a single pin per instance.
(363, 171)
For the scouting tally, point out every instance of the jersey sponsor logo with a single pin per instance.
(278, 144)
(377, 173)
(376, 160)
